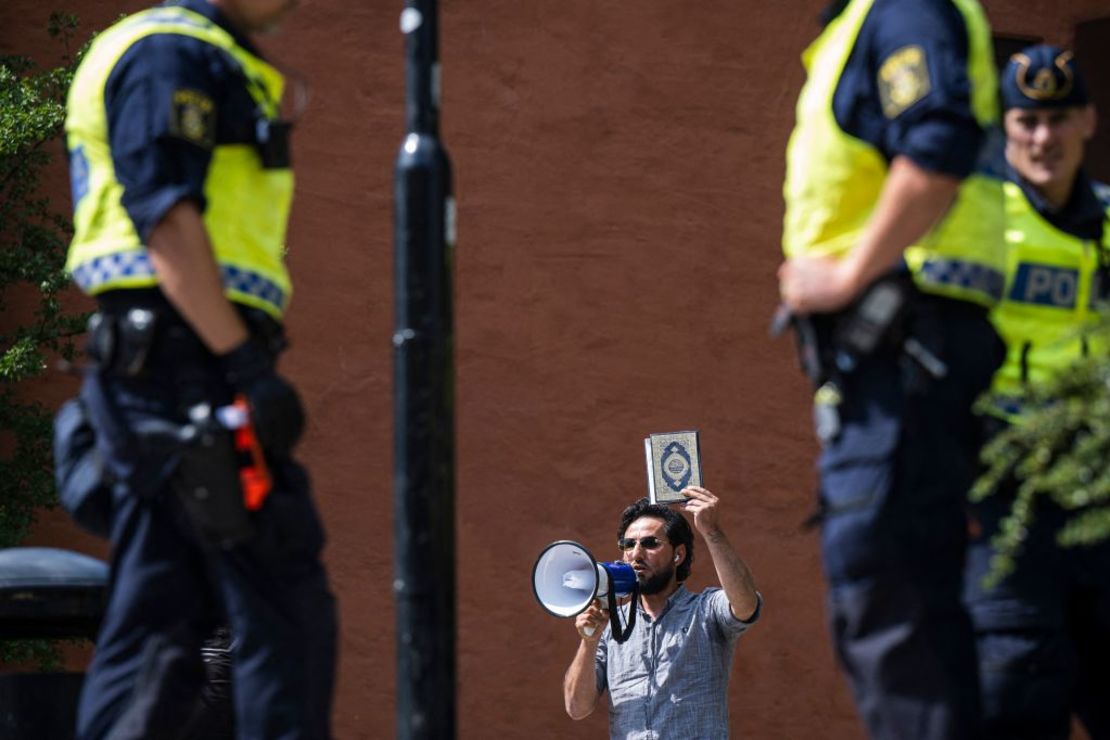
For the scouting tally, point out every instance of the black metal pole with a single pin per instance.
(423, 406)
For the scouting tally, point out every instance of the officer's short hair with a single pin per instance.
(674, 524)
(1043, 76)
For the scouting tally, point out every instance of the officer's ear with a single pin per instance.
(1090, 122)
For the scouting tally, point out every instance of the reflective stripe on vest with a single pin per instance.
(1052, 290)
(134, 269)
(248, 206)
(833, 180)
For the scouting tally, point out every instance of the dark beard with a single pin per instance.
(654, 584)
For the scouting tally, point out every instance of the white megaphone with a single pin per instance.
(566, 579)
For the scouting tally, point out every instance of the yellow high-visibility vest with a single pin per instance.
(248, 205)
(1052, 288)
(833, 180)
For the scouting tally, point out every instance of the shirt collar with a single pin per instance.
(214, 14)
(1082, 216)
(680, 595)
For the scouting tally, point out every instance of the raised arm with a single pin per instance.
(735, 576)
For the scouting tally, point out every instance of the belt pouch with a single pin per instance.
(82, 480)
(207, 484)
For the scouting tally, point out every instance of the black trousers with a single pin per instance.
(1043, 632)
(894, 489)
(170, 587)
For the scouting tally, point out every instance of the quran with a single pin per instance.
(673, 462)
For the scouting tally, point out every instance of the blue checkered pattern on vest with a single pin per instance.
(101, 273)
(940, 271)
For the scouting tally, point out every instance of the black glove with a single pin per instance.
(276, 410)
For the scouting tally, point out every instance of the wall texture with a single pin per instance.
(618, 172)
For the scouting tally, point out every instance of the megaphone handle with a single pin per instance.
(588, 631)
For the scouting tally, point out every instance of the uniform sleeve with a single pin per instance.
(918, 59)
(162, 105)
(720, 613)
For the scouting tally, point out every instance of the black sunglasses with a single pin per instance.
(648, 543)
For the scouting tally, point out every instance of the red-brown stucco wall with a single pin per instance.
(618, 170)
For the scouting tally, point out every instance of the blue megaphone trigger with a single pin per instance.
(566, 579)
(622, 580)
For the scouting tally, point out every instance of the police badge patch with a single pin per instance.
(193, 118)
(903, 80)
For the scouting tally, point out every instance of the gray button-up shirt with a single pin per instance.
(669, 680)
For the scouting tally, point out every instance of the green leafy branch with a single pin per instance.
(33, 241)
(1059, 452)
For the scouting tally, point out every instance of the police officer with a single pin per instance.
(894, 256)
(1044, 632)
(182, 186)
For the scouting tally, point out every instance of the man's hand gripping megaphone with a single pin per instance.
(591, 622)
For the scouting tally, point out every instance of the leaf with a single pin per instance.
(34, 233)
(1059, 452)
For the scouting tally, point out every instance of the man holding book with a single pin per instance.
(669, 678)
